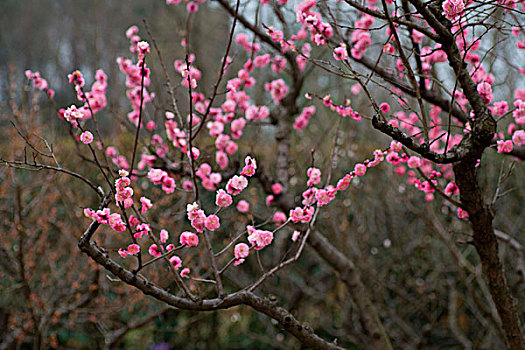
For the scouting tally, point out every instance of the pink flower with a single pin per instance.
(236, 184)
(302, 120)
(451, 189)
(223, 199)
(385, 107)
(164, 235)
(360, 169)
(500, 108)
(154, 251)
(243, 206)
(215, 178)
(143, 46)
(192, 7)
(340, 53)
(261, 61)
(142, 230)
(519, 138)
(279, 218)
(505, 146)
(238, 262)
(414, 162)
(314, 176)
(277, 89)
(185, 272)
(222, 159)
(72, 114)
(393, 158)
(123, 253)
(301, 215)
(323, 197)
(259, 238)
(133, 249)
(146, 204)
(86, 137)
(176, 262)
(452, 8)
(187, 185)
(295, 235)
(116, 223)
(189, 239)
(111, 151)
(212, 222)
(241, 251)
(150, 125)
(343, 183)
(277, 188)
(396, 146)
(198, 222)
(250, 167)
(485, 91)
(195, 153)
(278, 64)
(462, 214)
(76, 78)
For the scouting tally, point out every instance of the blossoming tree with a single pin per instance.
(423, 70)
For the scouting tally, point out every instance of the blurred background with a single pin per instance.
(414, 257)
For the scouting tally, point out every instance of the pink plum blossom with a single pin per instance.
(243, 206)
(241, 251)
(189, 239)
(176, 262)
(86, 137)
(133, 249)
(212, 222)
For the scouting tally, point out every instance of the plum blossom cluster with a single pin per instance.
(312, 22)
(124, 192)
(302, 120)
(161, 177)
(361, 39)
(190, 74)
(137, 75)
(235, 184)
(39, 82)
(95, 100)
(516, 135)
(278, 89)
(209, 179)
(189, 239)
(199, 220)
(258, 240)
(104, 216)
(343, 110)
(453, 8)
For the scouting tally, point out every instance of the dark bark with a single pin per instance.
(474, 144)
(485, 241)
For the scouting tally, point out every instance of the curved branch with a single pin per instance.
(303, 333)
